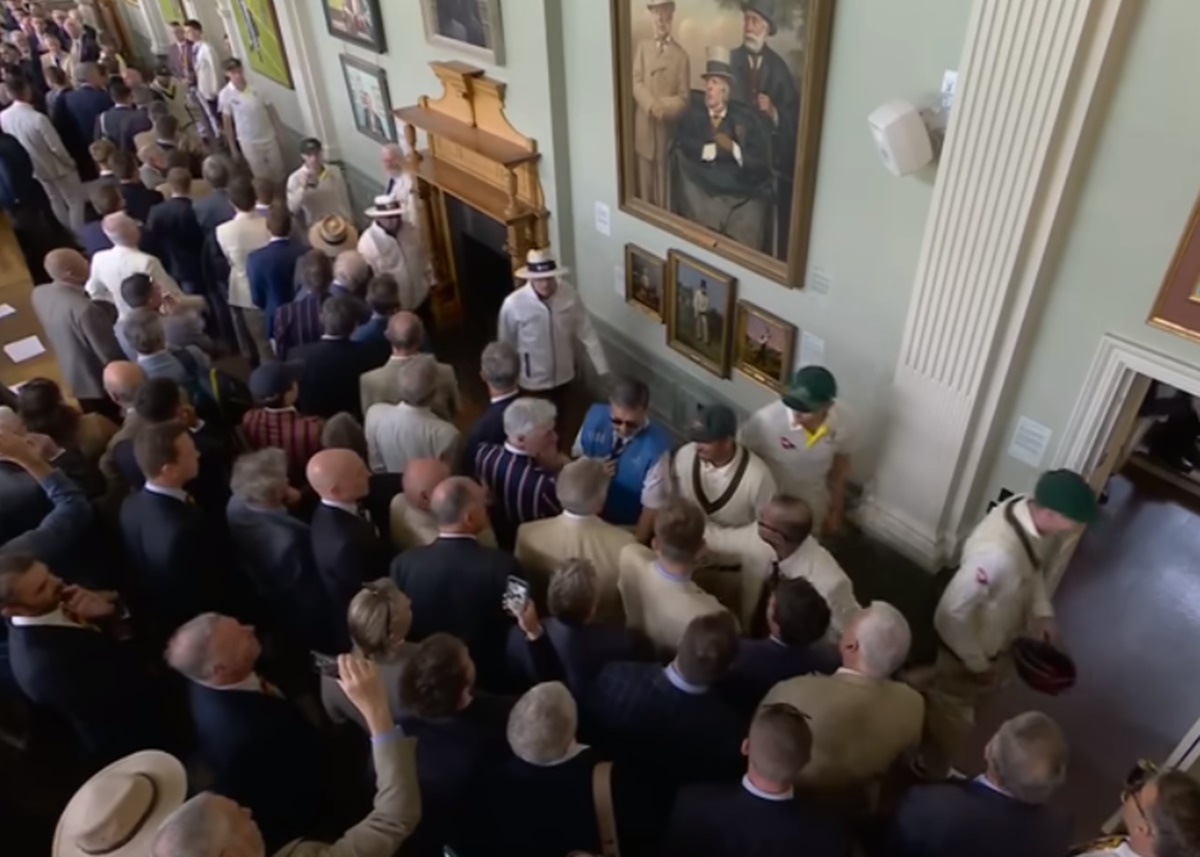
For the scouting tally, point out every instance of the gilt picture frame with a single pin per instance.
(645, 281)
(370, 99)
(764, 346)
(473, 27)
(743, 186)
(1177, 307)
(359, 22)
(700, 304)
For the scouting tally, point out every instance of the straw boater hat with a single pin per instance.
(718, 64)
(540, 265)
(385, 206)
(333, 235)
(118, 811)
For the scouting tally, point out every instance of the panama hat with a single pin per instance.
(540, 265)
(333, 235)
(118, 811)
(385, 206)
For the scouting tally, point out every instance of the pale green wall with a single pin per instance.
(1136, 196)
(867, 224)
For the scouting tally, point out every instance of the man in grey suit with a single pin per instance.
(79, 330)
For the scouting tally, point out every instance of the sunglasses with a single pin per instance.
(1143, 772)
(618, 423)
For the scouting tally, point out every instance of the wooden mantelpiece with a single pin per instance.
(473, 154)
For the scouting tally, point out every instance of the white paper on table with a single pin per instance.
(24, 349)
(6, 310)
(812, 350)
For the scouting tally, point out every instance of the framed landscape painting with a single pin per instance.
(367, 89)
(471, 26)
(359, 22)
(259, 28)
(700, 303)
(645, 281)
(719, 107)
(764, 346)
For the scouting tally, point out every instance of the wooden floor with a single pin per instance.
(16, 289)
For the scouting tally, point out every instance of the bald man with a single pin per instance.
(122, 381)
(80, 331)
(405, 333)
(413, 523)
(110, 268)
(346, 545)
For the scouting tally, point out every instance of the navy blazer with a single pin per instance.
(73, 139)
(92, 238)
(274, 551)
(272, 274)
(298, 323)
(213, 209)
(264, 755)
(178, 561)
(457, 587)
(348, 552)
(85, 104)
(638, 717)
(92, 680)
(762, 664)
(329, 379)
(583, 650)
(969, 817)
(726, 820)
(139, 199)
(172, 227)
(121, 123)
(489, 428)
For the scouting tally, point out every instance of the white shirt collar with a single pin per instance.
(470, 536)
(983, 780)
(575, 750)
(571, 516)
(505, 397)
(757, 792)
(55, 618)
(177, 493)
(291, 409)
(508, 446)
(679, 682)
(848, 671)
(252, 683)
(345, 507)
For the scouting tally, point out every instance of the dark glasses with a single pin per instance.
(1136, 780)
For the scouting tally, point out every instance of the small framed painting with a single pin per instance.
(764, 346)
(700, 301)
(645, 274)
(370, 100)
(471, 26)
(359, 22)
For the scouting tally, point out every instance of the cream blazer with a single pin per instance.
(659, 606)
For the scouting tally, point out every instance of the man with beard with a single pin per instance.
(661, 87)
(763, 80)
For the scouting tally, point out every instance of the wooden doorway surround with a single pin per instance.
(474, 155)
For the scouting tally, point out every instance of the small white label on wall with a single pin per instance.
(603, 219)
(619, 280)
(820, 282)
(1030, 442)
(812, 350)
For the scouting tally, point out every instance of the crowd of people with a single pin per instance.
(540, 631)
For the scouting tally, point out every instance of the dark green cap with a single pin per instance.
(1066, 492)
(713, 423)
(812, 389)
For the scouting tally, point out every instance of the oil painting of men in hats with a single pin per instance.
(661, 87)
(724, 163)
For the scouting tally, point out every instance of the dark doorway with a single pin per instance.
(484, 271)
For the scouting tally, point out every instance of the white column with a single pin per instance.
(1028, 74)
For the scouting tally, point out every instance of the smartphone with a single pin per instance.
(325, 665)
(516, 593)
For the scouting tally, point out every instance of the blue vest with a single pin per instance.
(624, 504)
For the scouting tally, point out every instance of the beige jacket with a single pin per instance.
(415, 528)
(392, 820)
(657, 605)
(861, 726)
(545, 545)
(381, 386)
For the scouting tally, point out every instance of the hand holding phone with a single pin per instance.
(516, 593)
(325, 665)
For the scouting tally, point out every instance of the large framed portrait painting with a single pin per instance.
(719, 118)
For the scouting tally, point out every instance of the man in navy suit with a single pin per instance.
(761, 816)
(262, 752)
(334, 364)
(87, 101)
(299, 323)
(106, 199)
(172, 227)
(346, 546)
(274, 551)
(999, 813)
(64, 657)
(177, 559)
(272, 269)
(500, 369)
(139, 199)
(122, 122)
(668, 720)
(215, 208)
(797, 620)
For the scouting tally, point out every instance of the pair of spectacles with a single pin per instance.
(619, 423)
(1135, 781)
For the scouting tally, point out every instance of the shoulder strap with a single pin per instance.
(605, 819)
(1011, 519)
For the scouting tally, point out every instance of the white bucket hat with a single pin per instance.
(540, 265)
(118, 811)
